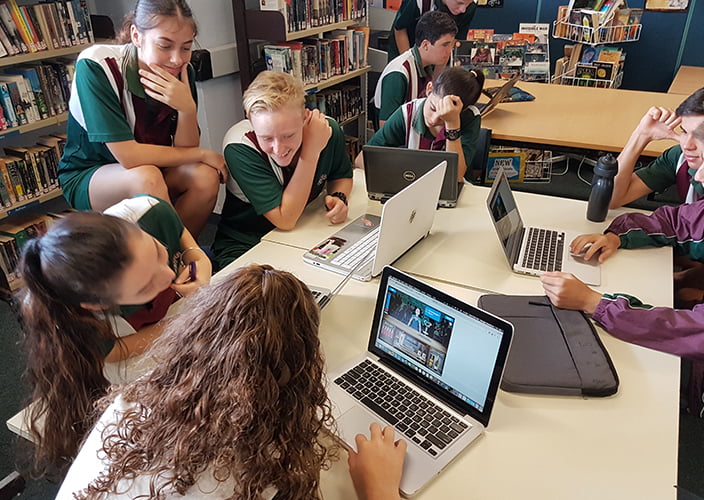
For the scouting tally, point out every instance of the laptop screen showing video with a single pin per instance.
(448, 343)
(505, 216)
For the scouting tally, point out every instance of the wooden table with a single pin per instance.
(687, 80)
(572, 117)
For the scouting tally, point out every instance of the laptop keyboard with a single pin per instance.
(544, 250)
(409, 411)
(349, 258)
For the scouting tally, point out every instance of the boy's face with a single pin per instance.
(437, 53)
(457, 7)
(280, 132)
(692, 143)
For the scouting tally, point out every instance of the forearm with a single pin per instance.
(187, 134)
(402, 42)
(626, 187)
(135, 344)
(132, 154)
(456, 147)
(294, 197)
(340, 185)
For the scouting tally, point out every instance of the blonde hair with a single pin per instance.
(271, 91)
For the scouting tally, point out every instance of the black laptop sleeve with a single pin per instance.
(554, 351)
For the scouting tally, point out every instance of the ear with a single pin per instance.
(135, 36)
(93, 307)
(428, 88)
(425, 45)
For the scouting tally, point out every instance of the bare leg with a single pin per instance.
(113, 183)
(194, 188)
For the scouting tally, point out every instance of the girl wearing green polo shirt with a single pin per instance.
(96, 289)
(132, 124)
(445, 120)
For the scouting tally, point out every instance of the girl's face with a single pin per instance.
(148, 274)
(167, 45)
(280, 132)
(432, 117)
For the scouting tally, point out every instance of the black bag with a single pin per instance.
(554, 351)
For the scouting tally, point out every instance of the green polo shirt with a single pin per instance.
(393, 133)
(256, 186)
(394, 86)
(661, 173)
(409, 13)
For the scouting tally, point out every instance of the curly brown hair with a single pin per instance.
(238, 390)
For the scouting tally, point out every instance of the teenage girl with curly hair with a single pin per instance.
(235, 407)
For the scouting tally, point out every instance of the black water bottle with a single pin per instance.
(602, 188)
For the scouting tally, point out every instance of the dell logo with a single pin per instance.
(409, 175)
(412, 217)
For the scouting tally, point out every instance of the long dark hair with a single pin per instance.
(147, 13)
(76, 262)
(237, 391)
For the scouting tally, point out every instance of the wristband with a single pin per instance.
(341, 195)
(452, 134)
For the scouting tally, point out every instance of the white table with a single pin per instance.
(537, 447)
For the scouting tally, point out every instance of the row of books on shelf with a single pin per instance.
(620, 24)
(504, 55)
(34, 91)
(590, 66)
(316, 59)
(341, 103)
(43, 26)
(14, 234)
(31, 171)
(301, 15)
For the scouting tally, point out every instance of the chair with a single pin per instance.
(476, 173)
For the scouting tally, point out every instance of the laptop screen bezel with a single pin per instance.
(513, 243)
(482, 416)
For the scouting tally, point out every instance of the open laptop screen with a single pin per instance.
(505, 216)
(458, 351)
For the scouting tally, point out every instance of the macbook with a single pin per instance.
(405, 219)
(388, 170)
(486, 108)
(533, 250)
(432, 370)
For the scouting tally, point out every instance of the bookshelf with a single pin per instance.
(271, 25)
(41, 55)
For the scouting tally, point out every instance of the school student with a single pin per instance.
(280, 158)
(675, 166)
(404, 25)
(96, 289)
(132, 124)
(445, 120)
(406, 77)
(235, 407)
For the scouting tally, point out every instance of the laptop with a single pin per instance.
(323, 296)
(487, 107)
(388, 170)
(533, 250)
(432, 370)
(405, 219)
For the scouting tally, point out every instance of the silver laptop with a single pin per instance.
(323, 296)
(533, 250)
(486, 108)
(432, 370)
(388, 170)
(405, 219)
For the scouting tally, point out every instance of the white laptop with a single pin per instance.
(323, 296)
(388, 170)
(432, 370)
(534, 250)
(405, 219)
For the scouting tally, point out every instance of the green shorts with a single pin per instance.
(75, 186)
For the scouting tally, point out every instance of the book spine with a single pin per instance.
(17, 103)
(57, 94)
(5, 200)
(37, 35)
(46, 13)
(11, 48)
(40, 22)
(46, 90)
(41, 167)
(5, 264)
(86, 21)
(71, 6)
(6, 180)
(7, 105)
(15, 179)
(22, 174)
(11, 28)
(28, 169)
(59, 22)
(66, 20)
(23, 29)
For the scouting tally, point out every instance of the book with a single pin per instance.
(35, 176)
(483, 54)
(20, 176)
(30, 74)
(604, 70)
(34, 30)
(480, 35)
(512, 55)
(634, 24)
(22, 27)
(5, 174)
(38, 15)
(26, 96)
(18, 105)
(278, 58)
(58, 23)
(584, 73)
(7, 106)
(541, 31)
(86, 20)
(11, 28)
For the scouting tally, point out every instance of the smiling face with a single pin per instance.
(147, 275)
(167, 45)
(279, 132)
(692, 143)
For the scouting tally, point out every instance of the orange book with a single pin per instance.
(22, 26)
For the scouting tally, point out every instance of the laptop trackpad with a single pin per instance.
(357, 420)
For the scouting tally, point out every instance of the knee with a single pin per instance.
(148, 179)
(205, 181)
